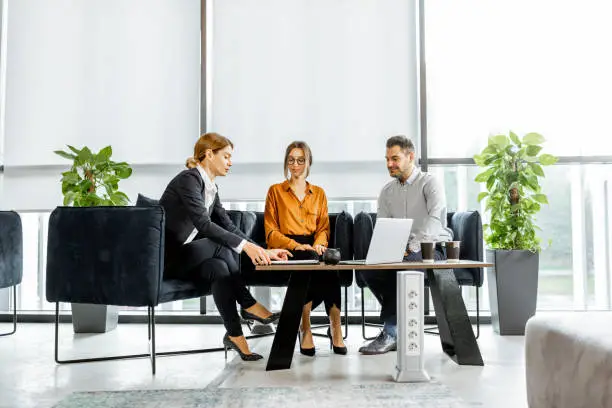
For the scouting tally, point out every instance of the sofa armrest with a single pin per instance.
(106, 255)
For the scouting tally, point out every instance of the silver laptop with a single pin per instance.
(388, 244)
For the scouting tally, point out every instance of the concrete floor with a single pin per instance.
(29, 376)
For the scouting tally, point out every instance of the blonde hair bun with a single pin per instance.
(191, 162)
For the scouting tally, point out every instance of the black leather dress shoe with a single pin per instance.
(250, 316)
(380, 345)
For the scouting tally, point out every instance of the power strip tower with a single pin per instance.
(410, 327)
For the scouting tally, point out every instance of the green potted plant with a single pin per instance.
(93, 180)
(512, 172)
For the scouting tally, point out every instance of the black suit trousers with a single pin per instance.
(324, 285)
(213, 267)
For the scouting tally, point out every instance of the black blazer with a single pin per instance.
(183, 202)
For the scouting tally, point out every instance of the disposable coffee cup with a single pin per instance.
(452, 250)
(427, 251)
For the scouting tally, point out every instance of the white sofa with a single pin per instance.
(569, 360)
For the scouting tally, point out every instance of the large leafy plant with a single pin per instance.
(93, 178)
(513, 168)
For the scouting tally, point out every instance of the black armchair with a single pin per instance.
(466, 227)
(11, 257)
(112, 256)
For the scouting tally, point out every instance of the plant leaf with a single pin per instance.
(104, 154)
(540, 198)
(537, 169)
(70, 177)
(119, 198)
(533, 150)
(69, 197)
(484, 176)
(64, 154)
(547, 159)
(482, 195)
(123, 172)
(74, 149)
(515, 138)
(499, 141)
(533, 139)
(490, 149)
(479, 160)
(85, 155)
(490, 183)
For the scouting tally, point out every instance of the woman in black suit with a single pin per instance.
(201, 240)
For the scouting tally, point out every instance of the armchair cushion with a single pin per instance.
(11, 249)
(176, 289)
(105, 255)
(363, 229)
(143, 201)
(342, 239)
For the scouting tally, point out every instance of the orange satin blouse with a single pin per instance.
(286, 215)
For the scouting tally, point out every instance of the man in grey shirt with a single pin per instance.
(411, 194)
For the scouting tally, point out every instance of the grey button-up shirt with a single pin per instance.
(421, 198)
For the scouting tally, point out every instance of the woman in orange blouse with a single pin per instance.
(296, 219)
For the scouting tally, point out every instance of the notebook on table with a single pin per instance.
(297, 262)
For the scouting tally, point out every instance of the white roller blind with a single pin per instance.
(339, 74)
(529, 66)
(100, 72)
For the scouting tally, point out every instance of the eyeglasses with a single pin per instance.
(300, 160)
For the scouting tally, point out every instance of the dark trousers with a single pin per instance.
(213, 267)
(383, 284)
(324, 285)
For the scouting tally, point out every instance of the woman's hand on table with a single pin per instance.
(319, 249)
(278, 254)
(258, 255)
(304, 247)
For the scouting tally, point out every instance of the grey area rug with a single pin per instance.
(424, 395)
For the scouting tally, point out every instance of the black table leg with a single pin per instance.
(289, 322)
(456, 334)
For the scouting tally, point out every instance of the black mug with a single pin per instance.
(331, 256)
(452, 250)
(427, 251)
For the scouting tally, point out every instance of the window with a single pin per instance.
(530, 66)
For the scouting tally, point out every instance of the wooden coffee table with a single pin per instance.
(456, 334)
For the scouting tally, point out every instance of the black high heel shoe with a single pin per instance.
(250, 316)
(229, 344)
(337, 350)
(310, 352)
